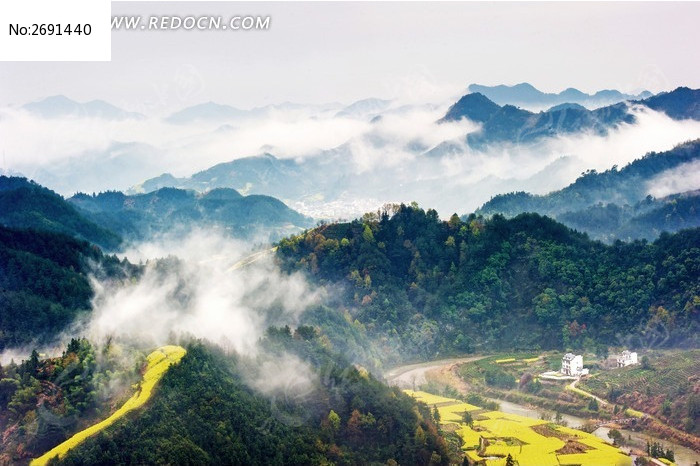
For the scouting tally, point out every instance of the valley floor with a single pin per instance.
(450, 375)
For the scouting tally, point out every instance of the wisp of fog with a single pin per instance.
(194, 291)
(398, 143)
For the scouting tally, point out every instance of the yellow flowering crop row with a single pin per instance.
(158, 363)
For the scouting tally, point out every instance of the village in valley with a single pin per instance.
(583, 400)
(572, 365)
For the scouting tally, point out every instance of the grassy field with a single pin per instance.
(531, 442)
(158, 363)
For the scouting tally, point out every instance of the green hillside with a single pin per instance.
(204, 413)
(140, 216)
(25, 204)
(666, 386)
(614, 204)
(44, 282)
(420, 287)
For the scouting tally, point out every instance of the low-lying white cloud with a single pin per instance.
(469, 178)
(378, 159)
(680, 179)
(197, 291)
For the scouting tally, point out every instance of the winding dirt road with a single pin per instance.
(572, 387)
(413, 375)
(256, 256)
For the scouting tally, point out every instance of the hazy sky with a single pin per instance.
(323, 52)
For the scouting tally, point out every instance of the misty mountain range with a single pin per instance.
(512, 124)
(171, 210)
(526, 95)
(616, 204)
(282, 178)
(109, 218)
(330, 175)
(523, 94)
(395, 285)
(59, 106)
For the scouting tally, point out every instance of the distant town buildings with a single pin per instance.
(627, 358)
(572, 365)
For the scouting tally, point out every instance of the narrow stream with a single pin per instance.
(684, 456)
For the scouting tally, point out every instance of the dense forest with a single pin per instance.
(44, 401)
(420, 287)
(25, 204)
(615, 204)
(107, 219)
(44, 282)
(205, 413)
(171, 210)
(646, 219)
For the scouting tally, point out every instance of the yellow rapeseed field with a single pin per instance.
(455, 412)
(158, 363)
(503, 361)
(429, 398)
(514, 435)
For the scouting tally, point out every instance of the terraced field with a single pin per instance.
(671, 378)
(531, 442)
(158, 363)
(666, 373)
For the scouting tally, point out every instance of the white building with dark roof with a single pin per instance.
(627, 358)
(572, 365)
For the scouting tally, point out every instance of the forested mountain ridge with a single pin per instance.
(204, 413)
(262, 174)
(646, 219)
(44, 282)
(680, 104)
(347, 417)
(25, 204)
(513, 124)
(615, 203)
(105, 218)
(420, 287)
(140, 216)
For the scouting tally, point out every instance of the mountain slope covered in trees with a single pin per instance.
(646, 219)
(615, 204)
(25, 204)
(105, 218)
(141, 216)
(420, 287)
(509, 123)
(45, 401)
(44, 282)
(204, 413)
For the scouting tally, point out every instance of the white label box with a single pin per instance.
(55, 30)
